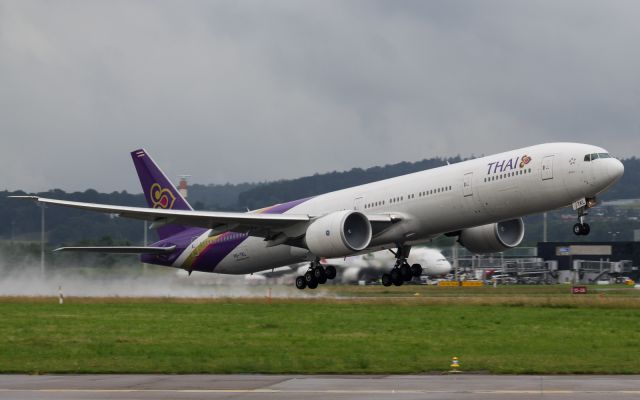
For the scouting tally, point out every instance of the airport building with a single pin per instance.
(588, 262)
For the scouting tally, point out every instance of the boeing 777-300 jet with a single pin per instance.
(480, 201)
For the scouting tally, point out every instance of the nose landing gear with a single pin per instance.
(581, 228)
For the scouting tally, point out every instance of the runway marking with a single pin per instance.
(327, 391)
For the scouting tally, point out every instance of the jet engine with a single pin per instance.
(493, 238)
(338, 234)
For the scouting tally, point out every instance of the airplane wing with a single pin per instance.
(121, 249)
(256, 224)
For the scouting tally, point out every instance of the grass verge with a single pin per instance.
(405, 335)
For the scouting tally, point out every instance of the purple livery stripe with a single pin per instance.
(208, 254)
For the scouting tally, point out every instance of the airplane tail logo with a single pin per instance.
(158, 190)
(161, 197)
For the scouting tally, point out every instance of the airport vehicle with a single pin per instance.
(480, 201)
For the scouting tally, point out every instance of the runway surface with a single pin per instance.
(317, 387)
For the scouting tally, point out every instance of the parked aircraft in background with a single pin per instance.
(480, 201)
(371, 266)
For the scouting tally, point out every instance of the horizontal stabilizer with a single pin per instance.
(122, 249)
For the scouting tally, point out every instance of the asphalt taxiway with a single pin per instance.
(318, 387)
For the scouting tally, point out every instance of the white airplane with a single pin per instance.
(480, 201)
(430, 262)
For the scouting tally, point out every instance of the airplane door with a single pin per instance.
(471, 204)
(547, 168)
(467, 185)
(357, 203)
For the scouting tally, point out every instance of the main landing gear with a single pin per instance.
(401, 272)
(315, 275)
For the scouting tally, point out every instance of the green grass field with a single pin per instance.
(507, 333)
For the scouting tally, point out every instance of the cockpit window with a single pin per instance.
(595, 156)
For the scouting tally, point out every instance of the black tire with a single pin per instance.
(396, 275)
(308, 276)
(331, 272)
(398, 282)
(577, 229)
(405, 271)
(416, 270)
(322, 280)
(386, 280)
(586, 229)
(313, 284)
(301, 282)
(319, 273)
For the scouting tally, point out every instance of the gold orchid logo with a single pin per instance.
(161, 197)
(524, 160)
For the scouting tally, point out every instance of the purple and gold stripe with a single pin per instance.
(208, 254)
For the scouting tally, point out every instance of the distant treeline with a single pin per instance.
(20, 220)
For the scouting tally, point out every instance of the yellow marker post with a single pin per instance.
(455, 365)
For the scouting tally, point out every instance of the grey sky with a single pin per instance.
(262, 90)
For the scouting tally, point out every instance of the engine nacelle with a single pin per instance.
(493, 238)
(338, 234)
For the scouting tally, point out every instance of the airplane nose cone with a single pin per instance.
(616, 170)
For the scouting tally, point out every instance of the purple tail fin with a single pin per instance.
(158, 190)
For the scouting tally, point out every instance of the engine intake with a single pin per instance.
(493, 238)
(338, 234)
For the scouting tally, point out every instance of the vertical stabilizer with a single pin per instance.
(158, 190)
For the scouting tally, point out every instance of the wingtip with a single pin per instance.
(26, 197)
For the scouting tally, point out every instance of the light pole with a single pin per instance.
(146, 229)
(42, 266)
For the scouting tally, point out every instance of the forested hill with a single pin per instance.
(21, 220)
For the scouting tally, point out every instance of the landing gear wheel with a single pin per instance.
(320, 275)
(405, 271)
(308, 276)
(396, 275)
(331, 272)
(313, 284)
(386, 280)
(301, 283)
(581, 229)
(416, 270)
